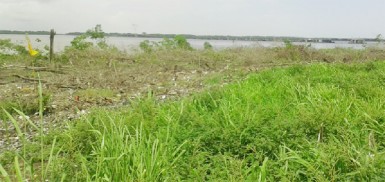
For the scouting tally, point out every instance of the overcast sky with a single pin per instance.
(304, 18)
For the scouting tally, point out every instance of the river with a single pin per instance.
(132, 43)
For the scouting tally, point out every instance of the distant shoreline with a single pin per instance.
(190, 36)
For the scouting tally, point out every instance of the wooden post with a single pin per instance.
(51, 38)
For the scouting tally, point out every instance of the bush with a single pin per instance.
(7, 48)
(181, 43)
(207, 46)
(146, 46)
(178, 42)
(80, 42)
(294, 52)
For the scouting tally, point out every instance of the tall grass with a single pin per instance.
(303, 123)
(24, 170)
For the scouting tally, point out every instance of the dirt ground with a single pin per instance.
(79, 84)
(76, 82)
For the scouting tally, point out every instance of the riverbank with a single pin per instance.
(202, 114)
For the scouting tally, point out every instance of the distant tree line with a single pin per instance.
(226, 37)
(24, 32)
(189, 36)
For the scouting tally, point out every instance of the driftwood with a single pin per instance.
(46, 69)
(29, 79)
(65, 86)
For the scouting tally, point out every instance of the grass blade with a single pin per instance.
(63, 177)
(17, 169)
(14, 122)
(262, 176)
(50, 156)
(4, 174)
(40, 90)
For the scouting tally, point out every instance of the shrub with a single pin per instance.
(7, 47)
(294, 52)
(80, 42)
(181, 43)
(207, 46)
(146, 46)
(178, 42)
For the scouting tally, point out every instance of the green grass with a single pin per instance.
(322, 122)
(29, 104)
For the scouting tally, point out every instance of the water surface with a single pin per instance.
(132, 43)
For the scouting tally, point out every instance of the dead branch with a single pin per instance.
(46, 69)
(29, 79)
(67, 86)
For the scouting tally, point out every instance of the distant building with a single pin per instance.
(357, 41)
(327, 41)
(319, 40)
(310, 40)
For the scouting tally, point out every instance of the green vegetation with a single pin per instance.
(80, 42)
(24, 32)
(379, 38)
(9, 48)
(319, 122)
(291, 113)
(178, 42)
(29, 105)
(207, 46)
(10, 51)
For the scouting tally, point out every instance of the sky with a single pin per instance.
(300, 18)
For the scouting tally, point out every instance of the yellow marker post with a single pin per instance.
(31, 51)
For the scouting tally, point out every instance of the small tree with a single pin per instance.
(80, 42)
(379, 38)
(167, 43)
(178, 42)
(96, 33)
(146, 46)
(181, 42)
(207, 46)
(288, 44)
